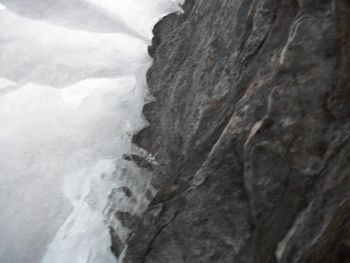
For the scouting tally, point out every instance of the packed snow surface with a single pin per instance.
(72, 85)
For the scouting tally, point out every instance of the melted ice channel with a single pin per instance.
(71, 91)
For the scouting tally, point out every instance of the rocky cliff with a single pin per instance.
(250, 134)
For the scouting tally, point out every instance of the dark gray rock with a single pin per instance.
(127, 219)
(250, 132)
(117, 244)
(126, 191)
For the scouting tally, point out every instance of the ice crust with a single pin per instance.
(72, 85)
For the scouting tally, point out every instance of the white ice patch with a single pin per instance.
(75, 94)
(140, 17)
(72, 83)
(36, 51)
(85, 227)
(5, 84)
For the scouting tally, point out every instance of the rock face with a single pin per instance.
(250, 131)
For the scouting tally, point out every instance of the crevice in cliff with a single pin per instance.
(160, 230)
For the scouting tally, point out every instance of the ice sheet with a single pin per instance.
(72, 83)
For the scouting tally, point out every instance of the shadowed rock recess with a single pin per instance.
(250, 133)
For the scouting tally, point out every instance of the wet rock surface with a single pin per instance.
(250, 131)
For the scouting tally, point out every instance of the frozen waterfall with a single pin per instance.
(72, 85)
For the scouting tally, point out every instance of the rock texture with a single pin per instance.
(250, 131)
